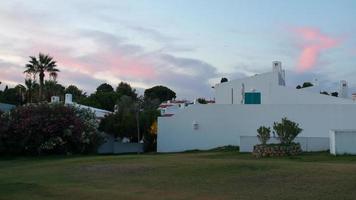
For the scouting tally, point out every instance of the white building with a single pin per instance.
(244, 105)
(68, 100)
(171, 107)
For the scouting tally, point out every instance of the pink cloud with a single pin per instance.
(118, 64)
(9, 76)
(313, 43)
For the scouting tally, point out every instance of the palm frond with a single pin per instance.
(53, 74)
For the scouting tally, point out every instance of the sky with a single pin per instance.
(185, 45)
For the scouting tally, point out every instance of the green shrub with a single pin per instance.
(202, 101)
(48, 129)
(307, 84)
(264, 134)
(286, 130)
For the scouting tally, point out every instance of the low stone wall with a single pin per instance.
(308, 144)
(276, 150)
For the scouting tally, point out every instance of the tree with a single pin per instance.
(21, 93)
(202, 101)
(123, 122)
(31, 86)
(52, 88)
(160, 92)
(42, 65)
(126, 89)
(307, 84)
(286, 130)
(48, 128)
(105, 88)
(76, 92)
(149, 104)
(153, 128)
(151, 138)
(147, 119)
(335, 94)
(11, 96)
(223, 80)
(133, 119)
(264, 134)
(102, 100)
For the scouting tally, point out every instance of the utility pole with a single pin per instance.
(138, 125)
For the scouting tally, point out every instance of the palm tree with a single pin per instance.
(31, 85)
(52, 88)
(44, 64)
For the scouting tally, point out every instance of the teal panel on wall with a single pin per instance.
(252, 98)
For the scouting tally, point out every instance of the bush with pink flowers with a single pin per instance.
(38, 129)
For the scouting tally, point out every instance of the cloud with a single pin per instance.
(188, 76)
(82, 80)
(152, 33)
(89, 57)
(313, 42)
(90, 50)
(10, 74)
(96, 50)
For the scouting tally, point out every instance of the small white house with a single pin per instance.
(99, 113)
(169, 108)
(243, 105)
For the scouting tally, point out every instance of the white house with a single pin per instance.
(68, 100)
(245, 104)
(169, 108)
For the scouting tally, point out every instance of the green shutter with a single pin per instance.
(252, 98)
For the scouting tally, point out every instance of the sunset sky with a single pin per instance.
(186, 45)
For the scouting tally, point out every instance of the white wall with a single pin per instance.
(285, 95)
(343, 142)
(271, 92)
(223, 124)
(261, 82)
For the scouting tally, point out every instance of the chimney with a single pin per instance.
(68, 99)
(344, 89)
(277, 66)
(316, 82)
(55, 99)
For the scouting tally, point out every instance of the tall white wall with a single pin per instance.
(260, 82)
(271, 92)
(220, 124)
(285, 95)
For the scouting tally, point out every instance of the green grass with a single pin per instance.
(194, 175)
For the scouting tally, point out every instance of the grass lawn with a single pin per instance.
(195, 175)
